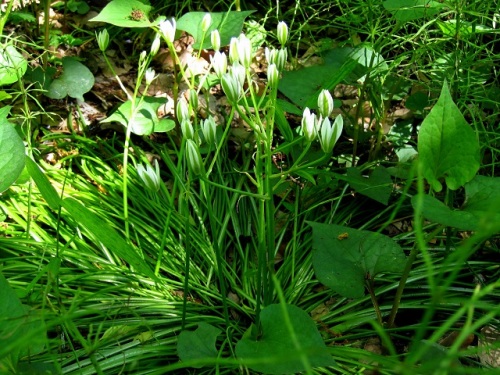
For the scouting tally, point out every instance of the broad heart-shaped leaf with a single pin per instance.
(16, 321)
(409, 10)
(198, 344)
(447, 145)
(343, 258)
(125, 13)
(483, 198)
(12, 156)
(12, 65)
(229, 25)
(378, 186)
(145, 121)
(75, 81)
(274, 352)
(436, 211)
(303, 86)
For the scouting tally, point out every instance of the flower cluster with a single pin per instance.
(319, 126)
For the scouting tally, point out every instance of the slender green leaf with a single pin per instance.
(105, 234)
(42, 182)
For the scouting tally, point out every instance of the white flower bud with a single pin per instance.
(273, 75)
(215, 39)
(150, 76)
(182, 110)
(280, 60)
(167, 28)
(187, 129)
(325, 103)
(244, 47)
(155, 46)
(194, 157)
(206, 22)
(282, 33)
(103, 40)
(310, 125)
(233, 50)
(209, 128)
(193, 100)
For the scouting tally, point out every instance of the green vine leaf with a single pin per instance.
(75, 81)
(126, 13)
(229, 24)
(274, 352)
(12, 156)
(447, 145)
(344, 258)
(145, 120)
(12, 65)
(378, 186)
(198, 344)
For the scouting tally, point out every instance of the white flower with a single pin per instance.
(330, 133)
(238, 72)
(219, 63)
(150, 177)
(167, 28)
(231, 87)
(150, 76)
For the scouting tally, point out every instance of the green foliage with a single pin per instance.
(11, 151)
(447, 145)
(410, 10)
(345, 258)
(75, 81)
(126, 13)
(229, 25)
(141, 118)
(289, 343)
(378, 186)
(17, 322)
(482, 203)
(198, 344)
(110, 262)
(12, 65)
